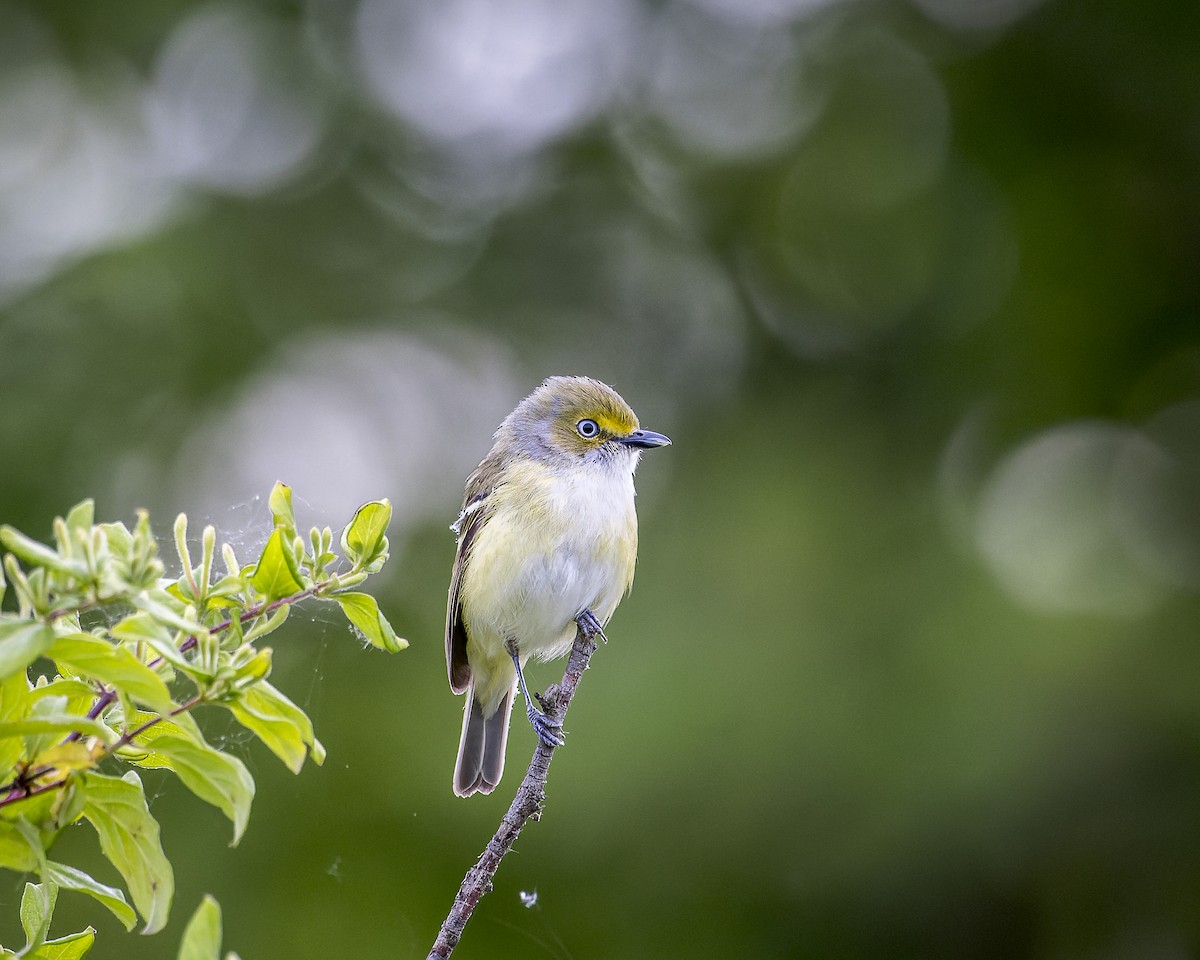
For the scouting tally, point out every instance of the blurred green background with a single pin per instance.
(911, 667)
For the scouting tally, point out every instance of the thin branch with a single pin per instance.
(17, 791)
(88, 605)
(24, 787)
(526, 805)
(128, 737)
(108, 696)
(260, 608)
(21, 789)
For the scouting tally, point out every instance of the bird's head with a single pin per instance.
(572, 419)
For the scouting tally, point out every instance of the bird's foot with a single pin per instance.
(591, 626)
(548, 731)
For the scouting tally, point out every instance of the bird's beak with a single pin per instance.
(645, 439)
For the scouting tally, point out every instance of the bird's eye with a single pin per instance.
(587, 429)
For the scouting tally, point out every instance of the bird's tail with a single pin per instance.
(481, 749)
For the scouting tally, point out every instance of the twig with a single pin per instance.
(526, 805)
(108, 696)
(21, 788)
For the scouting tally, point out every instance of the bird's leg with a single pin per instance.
(590, 625)
(548, 730)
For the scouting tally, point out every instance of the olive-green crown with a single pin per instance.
(546, 422)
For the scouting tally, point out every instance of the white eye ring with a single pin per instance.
(588, 429)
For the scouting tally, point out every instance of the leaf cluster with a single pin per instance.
(130, 655)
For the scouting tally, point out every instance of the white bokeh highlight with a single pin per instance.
(223, 111)
(1050, 523)
(74, 175)
(976, 15)
(350, 417)
(770, 13)
(729, 90)
(1158, 482)
(502, 78)
(90, 160)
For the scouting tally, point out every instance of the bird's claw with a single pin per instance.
(548, 731)
(591, 626)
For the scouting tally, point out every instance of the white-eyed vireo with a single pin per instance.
(547, 539)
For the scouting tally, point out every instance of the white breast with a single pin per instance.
(565, 543)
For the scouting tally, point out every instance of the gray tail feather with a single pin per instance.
(481, 749)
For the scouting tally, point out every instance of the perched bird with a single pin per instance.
(547, 539)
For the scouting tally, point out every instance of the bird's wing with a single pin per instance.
(476, 508)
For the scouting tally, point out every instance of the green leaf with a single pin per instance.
(363, 612)
(129, 837)
(145, 628)
(82, 516)
(255, 668)
(38, 554)
(14, 704)
(22, 642)
(90, 656)
(71, 947)
(142, 752)
(67, 807)
(17, 851)
(71, 878)
(277, 574)
(66, 757)
(185, 555)
(135, 554)
(55, 722)
(202, 936)
(277, 722)
(162, 607)
(180, 725)
(363, 541)
(268, 624)
(280, 504)
(49, 718)
(120, 540)
(213, 776)
(78, 696)
(37, 908)
(208, 547)
(24, 813)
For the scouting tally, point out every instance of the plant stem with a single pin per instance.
(526, 805)
(108, 696)
(102, 701)
(12, 792)
(128, 737)
(20, 790)
(17, 792)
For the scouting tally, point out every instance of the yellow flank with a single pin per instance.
(557, 541)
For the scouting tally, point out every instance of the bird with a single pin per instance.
(546, 544)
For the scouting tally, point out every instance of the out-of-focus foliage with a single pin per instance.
(126, 689)
(910, 668)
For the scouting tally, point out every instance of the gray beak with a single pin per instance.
(645, 439)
